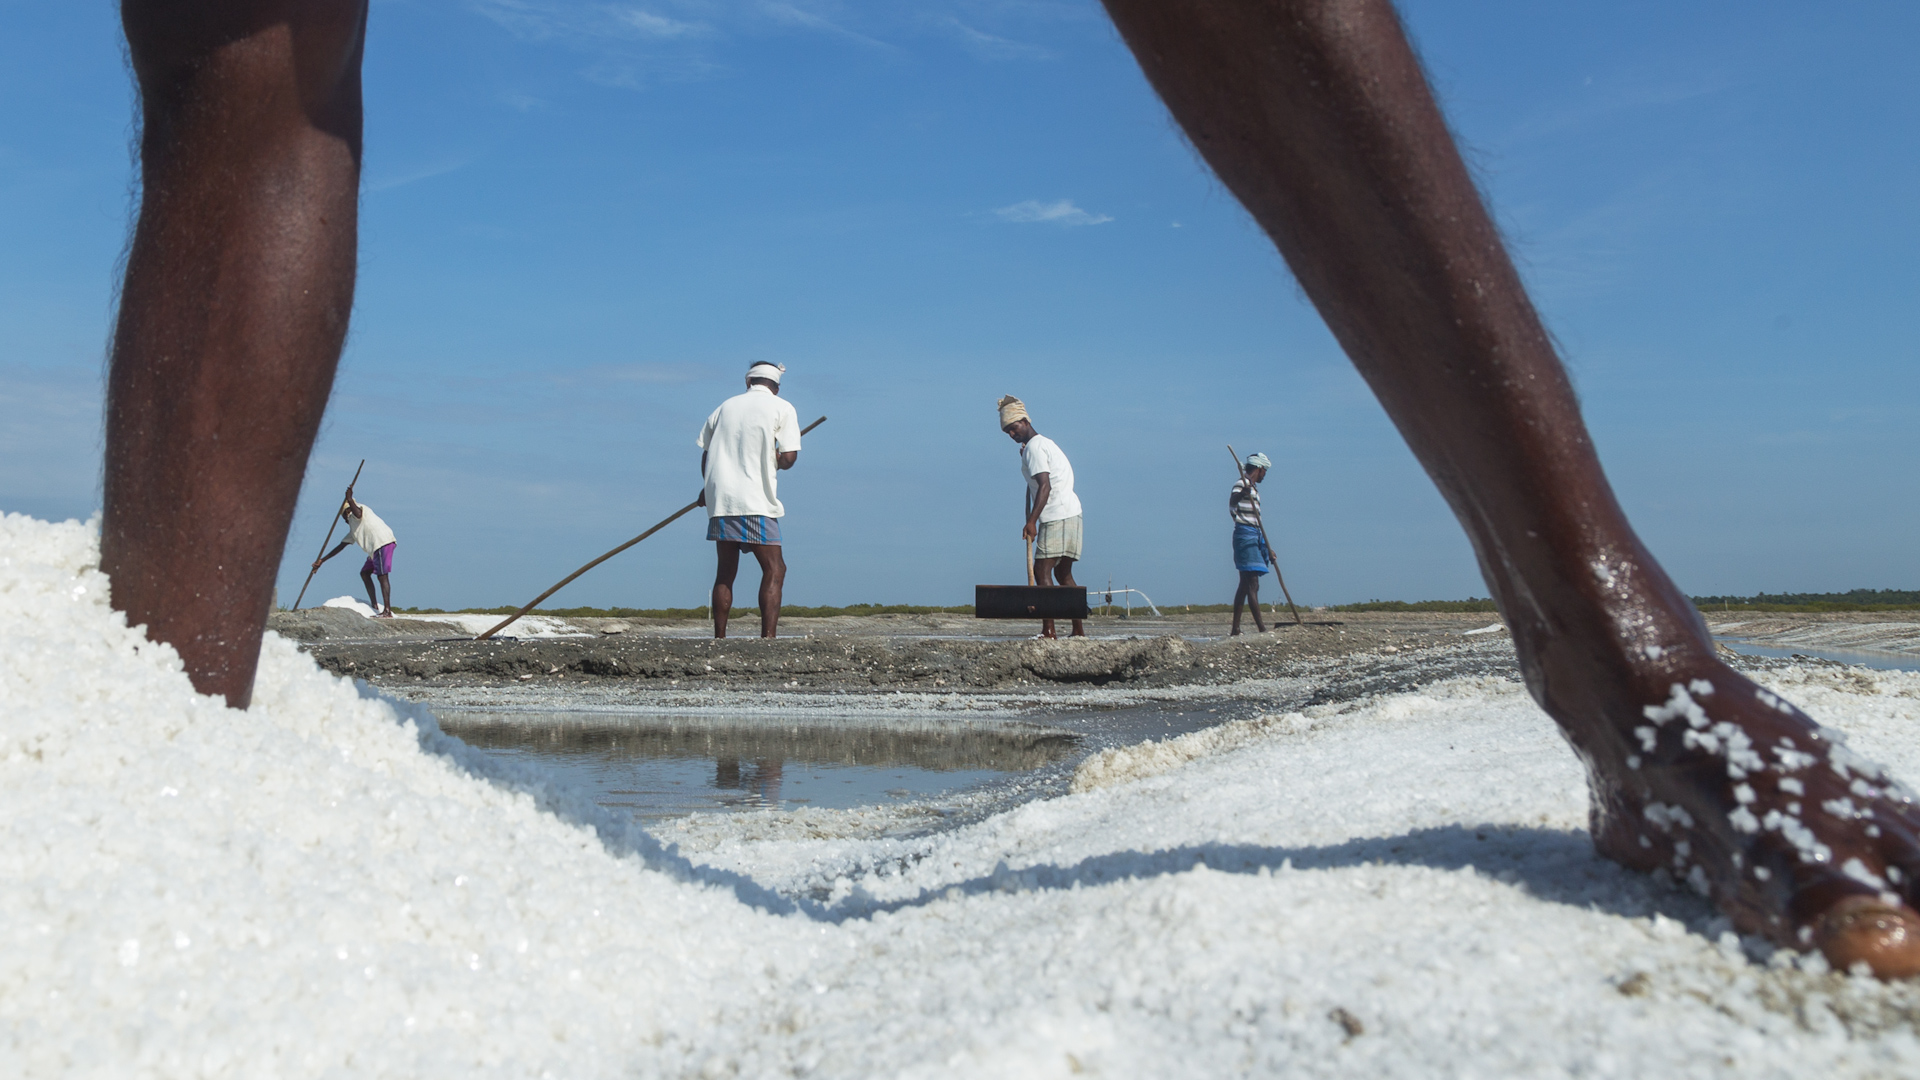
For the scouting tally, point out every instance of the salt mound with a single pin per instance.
(327, 885)
(350, 604)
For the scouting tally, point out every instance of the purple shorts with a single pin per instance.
(380, 562)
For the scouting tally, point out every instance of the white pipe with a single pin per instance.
(1110, 593)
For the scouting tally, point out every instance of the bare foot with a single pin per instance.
(1741, 796)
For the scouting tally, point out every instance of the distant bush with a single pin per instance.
(1852, 600)
(1471, 603)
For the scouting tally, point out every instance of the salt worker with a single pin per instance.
(1250, 554)
(218, 381)
(365, 529)
(744, 445)
(1053, 510)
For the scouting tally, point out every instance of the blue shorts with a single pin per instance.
(746, 529)
(1249, 552)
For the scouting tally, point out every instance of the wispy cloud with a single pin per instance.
(547, 19)
(1062, 212)
(641, 39)
(990, 46)
(795, 15)
(648, 24)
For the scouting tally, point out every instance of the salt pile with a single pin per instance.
(327, 885)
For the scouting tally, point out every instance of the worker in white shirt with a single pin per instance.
(1053, 510)
(745, 443)
(365, 529)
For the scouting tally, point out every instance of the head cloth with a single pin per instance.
(761, 369)
(1259, 461)
(1011, 409)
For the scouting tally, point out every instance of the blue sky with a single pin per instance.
(582, 219)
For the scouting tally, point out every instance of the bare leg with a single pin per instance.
(773, 579)
(1315, 114)
(373, 601)
(239, 284)
(1043, 575)
(727, 553)
(386, 590)
(1248, 593)
(1063, 575)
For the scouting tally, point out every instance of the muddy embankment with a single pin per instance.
(954, 656)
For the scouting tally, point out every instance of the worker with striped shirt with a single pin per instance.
(1250, 554)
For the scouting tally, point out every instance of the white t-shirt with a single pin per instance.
(741, 438)
(368, 530)
(1040, 455)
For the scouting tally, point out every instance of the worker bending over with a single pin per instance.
(365, 529)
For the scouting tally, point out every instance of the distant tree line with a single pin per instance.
(1852, 600)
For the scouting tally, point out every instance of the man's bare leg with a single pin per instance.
(727, 555)
(1063, 575)
(1315, 113)
(239, 284)
(1249, 594)
(773, 580)
(1043, 575)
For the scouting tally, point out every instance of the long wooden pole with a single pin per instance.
(565, 581)
(323, 544)
(1271, 557)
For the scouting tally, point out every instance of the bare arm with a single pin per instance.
(337, 549)
(1037, 503)
(785, 459)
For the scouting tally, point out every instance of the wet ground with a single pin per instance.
(933, 719)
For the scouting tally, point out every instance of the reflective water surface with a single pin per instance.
(1882, 661)
(664, 766)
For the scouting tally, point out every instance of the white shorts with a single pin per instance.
(1058, 539)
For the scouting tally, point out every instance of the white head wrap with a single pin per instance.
(763, 370)
(1011, 409)
(1259, 461)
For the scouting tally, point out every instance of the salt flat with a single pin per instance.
(1393, 885)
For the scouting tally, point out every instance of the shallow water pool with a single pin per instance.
(660, 766)
(1883, 661)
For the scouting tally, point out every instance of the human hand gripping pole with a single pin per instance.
(323, 544)
(1269, 546)
(565, 581)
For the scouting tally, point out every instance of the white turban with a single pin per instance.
(763, 370)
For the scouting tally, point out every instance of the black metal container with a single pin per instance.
(1030, 602)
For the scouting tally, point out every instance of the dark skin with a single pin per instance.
(352, 510)
(1045, 571)
(1316, 115)
(1249, 590)
(773, 563)
(239, 283)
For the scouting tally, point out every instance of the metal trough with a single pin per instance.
(1030, 602)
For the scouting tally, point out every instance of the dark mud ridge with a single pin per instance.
(844, 664)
